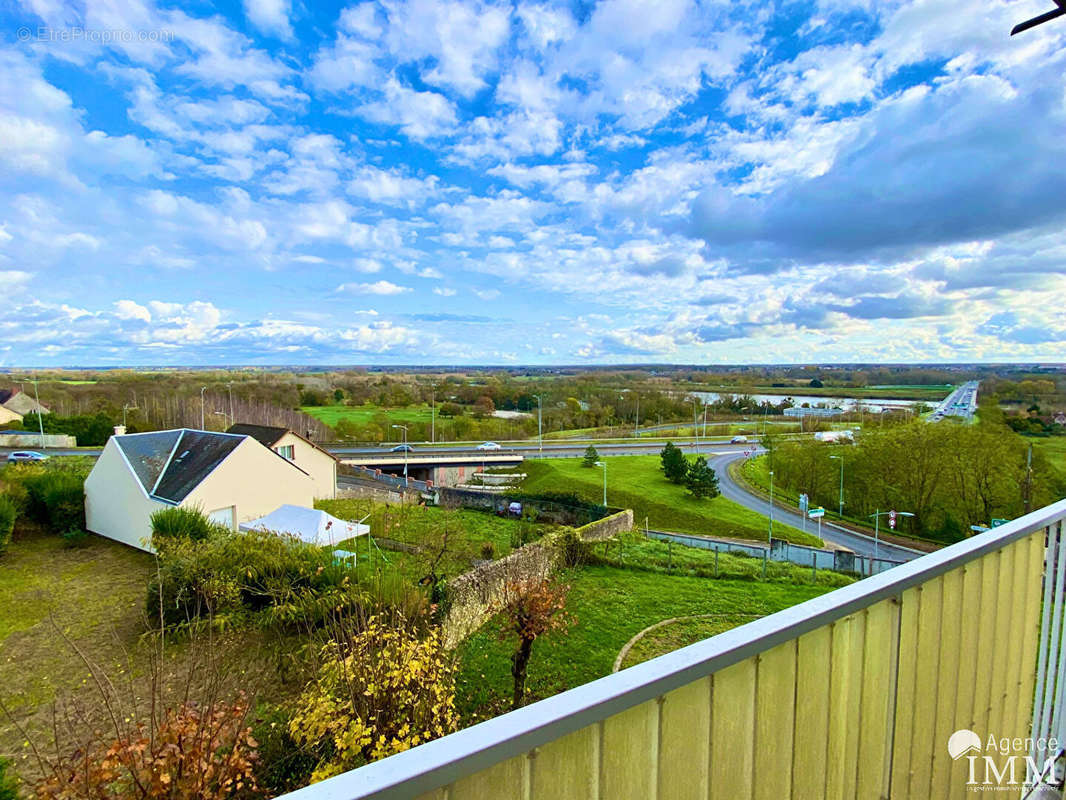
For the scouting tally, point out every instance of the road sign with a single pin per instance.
(804, 502)
(892, 520)
(996, 522)
(814, 513)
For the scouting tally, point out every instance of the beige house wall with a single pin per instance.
(254, 481)
(7, 415)
(116, 505)
(320, 465)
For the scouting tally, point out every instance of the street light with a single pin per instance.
(404, 427)
(540, 430)
(876, 517)
(840, 509)
(771, 534)
(202, 390)
(604, 465)
(126, 407)
(695, 423)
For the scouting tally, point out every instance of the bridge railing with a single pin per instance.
(852, 694)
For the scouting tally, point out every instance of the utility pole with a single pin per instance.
(1029, 480)
(603, 464)
(540, 430)
(40, 414)
(229, 387)
(404, 427)
(840, 509)
(695, 425)
(433, 416)
(636, 429)
(202, 390)
(770, 535)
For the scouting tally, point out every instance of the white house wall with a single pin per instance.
(321, 466)
(115, 504)
(253, 480)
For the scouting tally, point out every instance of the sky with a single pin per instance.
(439, 182)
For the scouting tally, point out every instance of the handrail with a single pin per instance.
(445, 760)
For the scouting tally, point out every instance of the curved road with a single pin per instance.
(863, 545)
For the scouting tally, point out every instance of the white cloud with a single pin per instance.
(383, 288)
(270, 16)
(443, 292)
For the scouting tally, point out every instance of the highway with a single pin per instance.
(962, 402)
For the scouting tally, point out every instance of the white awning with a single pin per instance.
(307, 524)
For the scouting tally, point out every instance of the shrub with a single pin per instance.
(75, 537)
(191, 752)
(385, 691)
(8, 514)
(488, 551)
(56, 498)
(283, 765)
(235, 573)
(8, 787)
(170, 524)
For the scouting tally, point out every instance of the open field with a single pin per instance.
(610, 606)
(1053, 447)
(364, 414)
(637, 482)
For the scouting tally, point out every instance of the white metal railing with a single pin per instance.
(900, 626)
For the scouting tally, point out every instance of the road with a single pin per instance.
(962, 402)
(863, 545)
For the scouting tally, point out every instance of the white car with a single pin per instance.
(738, 440)
(25, 455)
(489, 446)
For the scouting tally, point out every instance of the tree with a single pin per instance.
(815, 383)
(674, 465)
(591, 457)
(384, 691)
(450, 410)
(534, 608)
(338, 395)
(700, 480)
(484, 407)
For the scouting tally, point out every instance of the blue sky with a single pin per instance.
(280, 181)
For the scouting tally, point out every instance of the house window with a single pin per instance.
(286, 452)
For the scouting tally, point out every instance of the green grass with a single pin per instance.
(636, 482)
(362, 415)
(636, 551)
(1053, 448)
(425, 527)
(610, 606)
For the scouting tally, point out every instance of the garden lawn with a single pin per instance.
(610, 606)
(471, 536)
(637, 482)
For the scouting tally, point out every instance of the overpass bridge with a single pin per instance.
(447, 468)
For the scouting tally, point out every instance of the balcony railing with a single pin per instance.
(853, 694)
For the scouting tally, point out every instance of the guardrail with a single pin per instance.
(851, 694)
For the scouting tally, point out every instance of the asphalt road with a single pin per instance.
(863, 545)
(962, 402)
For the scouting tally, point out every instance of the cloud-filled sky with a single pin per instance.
(433, 181)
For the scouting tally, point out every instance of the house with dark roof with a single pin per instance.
(232, 478)
(19, 403)
(320, 464)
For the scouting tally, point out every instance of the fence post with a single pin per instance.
(716, 561)
(814, 566)
(669, 556)
(765, 557)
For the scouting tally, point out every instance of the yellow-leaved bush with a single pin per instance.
(384, 691)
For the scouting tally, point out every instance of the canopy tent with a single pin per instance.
(307, 524)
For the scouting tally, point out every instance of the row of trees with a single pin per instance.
(696, 476)
(949, 476)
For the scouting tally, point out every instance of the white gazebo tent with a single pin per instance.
(307, 524)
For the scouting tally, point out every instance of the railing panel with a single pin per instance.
(953, 660)
(504, 781)
(630, 753)
(906, 684)
(845, 678)
(686, 739)
(1005, 622)
(878, 698)
(568, 767)
(812, 713)
(733, 732)
(775, 719)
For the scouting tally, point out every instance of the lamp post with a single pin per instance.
(229, 388)
(40, 414)
(876, 517)
(695, 424)
(126, 407)
(202, 390)
(404, 427)
(603, 464)
(840, 508)
(223, 414)
(770, 537)
(540, 430)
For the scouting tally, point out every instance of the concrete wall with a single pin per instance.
(253, 480)
(28, 441)
(320, 465)
(116, 505)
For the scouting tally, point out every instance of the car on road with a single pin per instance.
(738, 440)
(25, 455)
(402, 448)
(489, 446)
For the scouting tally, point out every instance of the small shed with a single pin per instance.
(310, 525)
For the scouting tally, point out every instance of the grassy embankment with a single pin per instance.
(365, 414)
(610, 606)
(637, 482)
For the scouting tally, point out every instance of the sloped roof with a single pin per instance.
(170, 464)
(266, 435)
